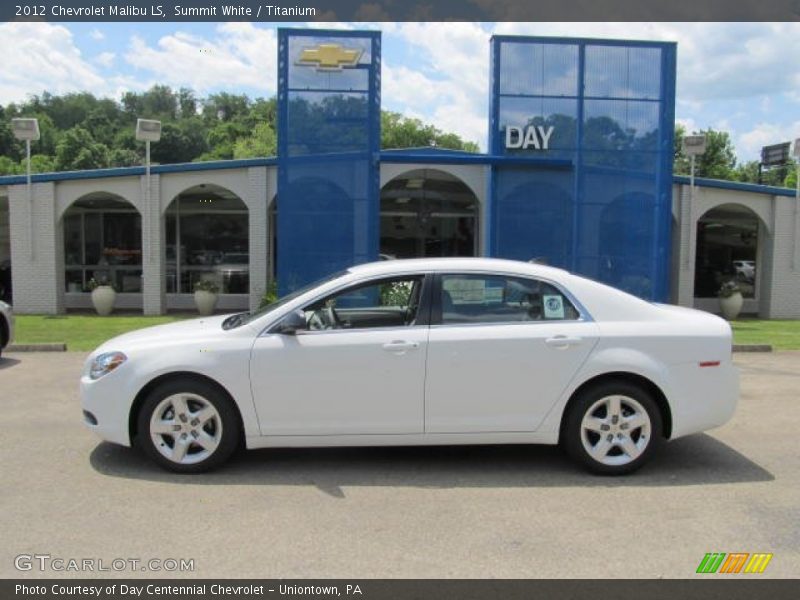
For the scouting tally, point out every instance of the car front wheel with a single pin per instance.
(188, 426)
(613, 428)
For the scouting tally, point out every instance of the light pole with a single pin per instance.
(28, 130)
(796, 200)
(148, 130)
(693, 146)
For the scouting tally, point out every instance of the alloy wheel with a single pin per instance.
(615, 430)
(185, 428)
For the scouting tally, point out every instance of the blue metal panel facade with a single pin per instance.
(328, 145)
(607, 107)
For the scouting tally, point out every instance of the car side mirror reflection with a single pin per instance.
(292, 323)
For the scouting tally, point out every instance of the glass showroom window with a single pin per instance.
(727, 250)
(427, 212)
(207, 240)
(103, 241)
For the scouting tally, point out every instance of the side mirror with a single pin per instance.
(292, 323)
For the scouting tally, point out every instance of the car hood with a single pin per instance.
(167, 334)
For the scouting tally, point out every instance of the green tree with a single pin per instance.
(41, 163)
(122, 157)
(746, 172)
(262, 142)
(791, 179)
(718, 161)
(8, 166)
(226, 107)
(398, 131)
(79, 150)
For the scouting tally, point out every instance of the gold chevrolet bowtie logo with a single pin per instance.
(329, 57)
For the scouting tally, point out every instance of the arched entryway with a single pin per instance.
(728, 249)
(207, 239)
(102, 241)
(427, 212)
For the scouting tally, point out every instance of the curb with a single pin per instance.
(752, 348)
(59, 347)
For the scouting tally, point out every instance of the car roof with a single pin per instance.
(388, 267)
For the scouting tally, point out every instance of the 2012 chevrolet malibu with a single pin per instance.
(414, 352)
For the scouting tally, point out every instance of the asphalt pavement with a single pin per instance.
(496, 512)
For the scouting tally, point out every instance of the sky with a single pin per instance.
(739, 77)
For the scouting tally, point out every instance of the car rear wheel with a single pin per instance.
(613, 428)
(188, 426)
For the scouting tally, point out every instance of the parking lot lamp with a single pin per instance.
(796, 200)
(27, 130)
(693, 146)
(148, 130)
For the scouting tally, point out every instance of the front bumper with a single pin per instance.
(108, 404)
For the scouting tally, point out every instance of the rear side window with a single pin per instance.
(500, 299)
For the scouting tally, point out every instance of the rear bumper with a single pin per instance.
(702, 397)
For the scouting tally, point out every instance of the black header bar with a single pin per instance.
(304, 11)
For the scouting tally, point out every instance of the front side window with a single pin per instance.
(385, 303)
(500, 299)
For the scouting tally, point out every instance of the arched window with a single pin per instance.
(427, 212)
(103, 241)
(207, 239)
(727, 250)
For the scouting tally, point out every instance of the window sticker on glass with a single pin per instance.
(553, 307)
(466, 291)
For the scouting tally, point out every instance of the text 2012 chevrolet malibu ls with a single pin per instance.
(413, 352)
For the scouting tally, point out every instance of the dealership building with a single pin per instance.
(578, 174)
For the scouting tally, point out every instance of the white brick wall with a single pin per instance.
(37, 261)
(782, 296)
(153, 247)
(5, 234)
(256, 200)
(779, 281)
(39, 271)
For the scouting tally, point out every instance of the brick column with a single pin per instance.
(686, 248)
(153, 248)
(37, 250)
(780, 292)
(256, 202)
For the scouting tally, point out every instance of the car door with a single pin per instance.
(501, 351)
(359, 368)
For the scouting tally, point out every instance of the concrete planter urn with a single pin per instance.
(103, 297)
(730, 300)
(206, 294)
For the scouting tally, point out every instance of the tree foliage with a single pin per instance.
(398, 131)
(717, 162)
(82, 131)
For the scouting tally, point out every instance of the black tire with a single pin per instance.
(194, 393)
(646, 439)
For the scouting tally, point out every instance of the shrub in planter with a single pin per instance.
(270, 295)
(730, 300)
(103, 296)
(205, 296)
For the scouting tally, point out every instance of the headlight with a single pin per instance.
(105, 363)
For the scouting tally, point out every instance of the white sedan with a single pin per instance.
(414, 352)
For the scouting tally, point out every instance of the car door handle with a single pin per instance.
(563, 341)
(400, 346)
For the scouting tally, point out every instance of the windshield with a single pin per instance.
(246, 317)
